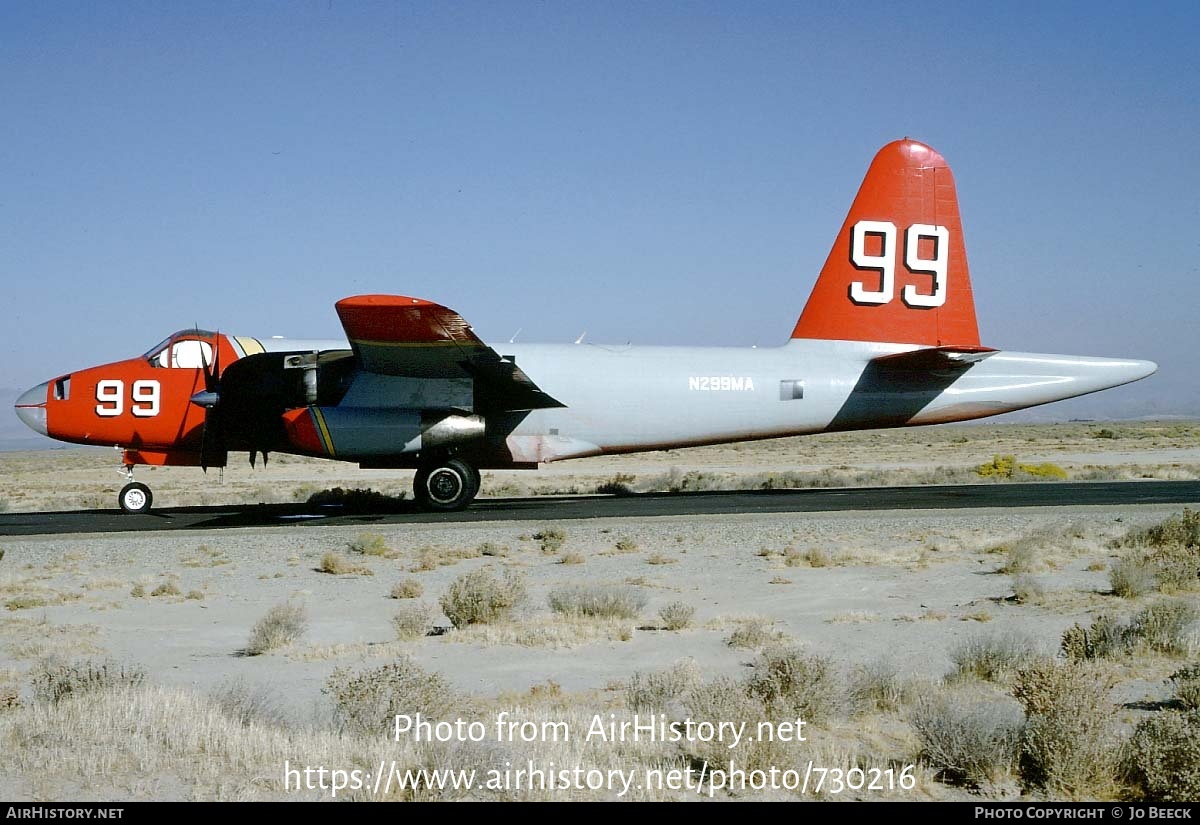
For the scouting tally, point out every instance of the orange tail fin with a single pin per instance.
(898, 270)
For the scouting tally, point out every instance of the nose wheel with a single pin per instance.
(135, 497)
(447, 485)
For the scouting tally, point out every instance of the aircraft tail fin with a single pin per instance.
(897, 272)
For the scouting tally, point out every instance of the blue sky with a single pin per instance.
(654, 172)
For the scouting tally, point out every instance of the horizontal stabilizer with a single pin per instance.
(934, 358)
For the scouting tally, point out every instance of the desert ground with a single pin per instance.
(1037, 653)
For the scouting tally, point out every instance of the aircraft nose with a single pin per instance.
(31, 407)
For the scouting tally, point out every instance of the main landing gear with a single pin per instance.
(446, 485)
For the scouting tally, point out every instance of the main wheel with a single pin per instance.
(450, 485)
(135, 497)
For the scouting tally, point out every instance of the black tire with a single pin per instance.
(135, 497)
(449, 485)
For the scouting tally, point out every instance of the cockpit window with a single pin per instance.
(191, 355)
(178, 352)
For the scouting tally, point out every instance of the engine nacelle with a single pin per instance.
(372, 432)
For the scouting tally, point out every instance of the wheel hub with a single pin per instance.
(444, 485)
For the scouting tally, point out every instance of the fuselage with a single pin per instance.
(616, 398)
(627, 398)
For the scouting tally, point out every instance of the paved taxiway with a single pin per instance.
(938, 497)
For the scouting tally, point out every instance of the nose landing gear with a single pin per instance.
(134, 497)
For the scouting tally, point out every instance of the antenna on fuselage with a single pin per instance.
(582, 335)
(513, 340)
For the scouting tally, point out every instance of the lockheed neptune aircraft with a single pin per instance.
(888, 338)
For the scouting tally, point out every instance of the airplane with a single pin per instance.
(888, 338)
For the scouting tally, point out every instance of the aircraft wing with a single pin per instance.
(934, 358)
(414, 338)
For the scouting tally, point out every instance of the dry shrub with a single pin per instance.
(810, 557)
(1023, 557)
(661, 690)
(54, 681)
(676, 615)
(249, 704)
(338, 565)
(753, 633)
(678, 481)
(482, 597)
(970, 743)
(1027, 589)
(368, 702)
(618, 485)
(431, 558)
(412, 621)
(1005, 467)
(407, 589)
(371, 544)
(551, 539)
(1178, 570)
(1174, 569)
(1165, 556)
(1182, 530)
(1132, 576)
(571, 558)
(1105, 638)
(597, 601)
(1163, 627)
(1044, 547)
(791, 683)
(993, 657)
(547, 632)
(727, 700)
(1187, 686)
(167, 588)
(282, 625)
(1163, 757)
(1069, 746)
(878, 686)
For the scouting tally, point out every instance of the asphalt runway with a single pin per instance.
(936, 497)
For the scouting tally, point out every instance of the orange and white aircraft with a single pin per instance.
(888, 339)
